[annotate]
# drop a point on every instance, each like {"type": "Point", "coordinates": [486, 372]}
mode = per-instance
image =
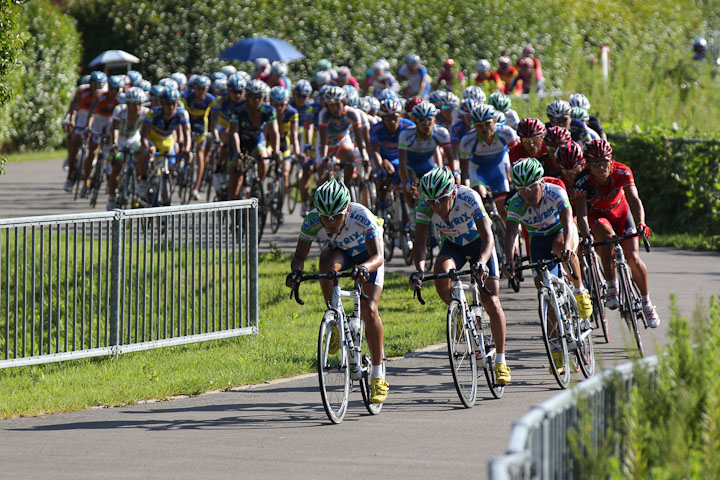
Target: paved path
{"type": "Point", "coordinates": [280, 430]}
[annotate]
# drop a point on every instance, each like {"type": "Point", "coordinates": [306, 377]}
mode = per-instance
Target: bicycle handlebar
{"type": "Point", "coordinates": [452, 274]}
{"type": "Point", "coordinates": [548, 262]}
{"type": "Point", "coordinates": [331, 275]}
{"type": "Point", "coordinates": [618, 239]}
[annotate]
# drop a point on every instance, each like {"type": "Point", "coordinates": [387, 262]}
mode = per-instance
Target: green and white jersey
{"type": "Point", "coordinates": [544, 219]}
{"type": "Point", "coordinates": [361, 225]}
{"type": "Point", "coordinates": [461, 230]}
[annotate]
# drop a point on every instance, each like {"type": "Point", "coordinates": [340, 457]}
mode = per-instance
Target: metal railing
{"type": "Point", "coordinates": [92, 284]}
{"type": "Point", "coordinates": [539, 446]}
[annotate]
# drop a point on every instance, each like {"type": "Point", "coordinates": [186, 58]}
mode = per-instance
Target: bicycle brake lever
{"type": "Point", "coordinates": [418, 295]}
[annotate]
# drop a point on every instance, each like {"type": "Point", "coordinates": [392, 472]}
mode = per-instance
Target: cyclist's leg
{"type": "Point", "coordinates": [331, 259]}
{"type": "Point", "coordinates": [202, 156]}
{"type": "Point", "coordinates": [73, 149]}
{"type": "Point", "coordinates": [92, 152]}
{"type": "Point", "coordinates": [602, 230]}
{"type": "Point", "coordinates": [113, 178]}
{"type": "Point", "coordinates": [375, 331]}
{"type": "Point", "coordinates": [235, 177]}
{"type": "Point", "coordinates": [541, 248]}
{"type": "Point", "coordinates": [447, 258]}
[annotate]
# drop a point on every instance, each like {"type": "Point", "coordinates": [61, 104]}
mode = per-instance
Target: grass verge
{"type": "Point", "coordinates": [35, 156]}
{"type": "Point", "coordinates": [285, 346]}
{"type": "Point", "coordinates": [687, 241]}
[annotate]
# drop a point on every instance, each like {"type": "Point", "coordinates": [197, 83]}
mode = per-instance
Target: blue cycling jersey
{"type": "Point", "coordinates": [387, 141]}
{"type": "Point", "coordinates": [458, 130]}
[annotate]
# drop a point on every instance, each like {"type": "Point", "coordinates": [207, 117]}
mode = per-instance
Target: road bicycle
{"type": "Point", "coordinates": [631, 305]}
{"type": "Point", "coordinates": [570, 333]}
{"type": "Point", "coordinates": [469, 337]}
{"type": "Point", "coordinates": [395, 233]}
{"type": "Point", "coordinates": [98, 173]}
{"type": "Point", "coordinates": [127, 190]}
{"type": "Point", "coordinates": [338, 370]}
{"type": "Point", "coordinates": [187, 173]}
{"type": "Point", "coordinates": [275, 193]}
{"type": "Point", "coordinates": [293, 192]}
{"type": "Point", "coordinates": [596, 286]}
{"type": "Point", "coordinates": [158, 189]}
{"type": "Point", "coordinates": [77, 176]}
{"type": "Point", "coordinates": [253, 187]}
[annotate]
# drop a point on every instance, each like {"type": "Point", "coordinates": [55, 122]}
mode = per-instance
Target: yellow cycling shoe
{"type": "Point", "coordinates": [559, 360]}
{"type": "Point", "coordinates": [502, 374]}
{"type": "Point", "coordinates": [379, 389]}
{"type": "Point", "coordinates": [334, 340]}
{"type": "Point", "coordinates": [584, 304]}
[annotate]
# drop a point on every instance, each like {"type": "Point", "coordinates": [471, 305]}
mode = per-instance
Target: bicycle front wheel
{"type": "Point", "coordinates": [489, 368]}
{"type": "Point", "coordinates": [555, 342]}
{"type": "Point", "coordinates": [372, 408]}
{"type": "Point", "coordinates": [293, 193]}
{"type": "Point", "coordinates": [256, 190]}
{"type": "Point", "coordinates": [333, 371]}
{"type": "Point", "coordinates": [461, 355]}
{"type": "Point", "coordinates": [632, 310]}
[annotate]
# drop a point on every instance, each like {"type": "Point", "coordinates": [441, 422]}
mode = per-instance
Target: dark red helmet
{"type": "Point", "coordinates": [530, 127]}
{"type": "Point", "coordinates": [598, 149]}
{"type": "Point", "coordinates": [411, 102]}
{"type": "Point", "coordinates": [569, 155]}
{"type": "Point", "coordinates": [556, 136]}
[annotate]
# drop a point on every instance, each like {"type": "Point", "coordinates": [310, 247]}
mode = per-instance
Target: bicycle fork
{"type": "Point", "coordinates": [348, 340]}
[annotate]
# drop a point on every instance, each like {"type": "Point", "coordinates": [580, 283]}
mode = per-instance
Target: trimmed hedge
{"type": "Point", "coordinates": [43, 81]}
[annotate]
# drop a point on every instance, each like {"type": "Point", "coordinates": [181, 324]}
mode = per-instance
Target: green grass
{"type": "Point", "coordinates": [687, 241]}
{"type": "Point", "coordinates": [285, 346]}
{"type": "Point", "coordinates": [35, 156]}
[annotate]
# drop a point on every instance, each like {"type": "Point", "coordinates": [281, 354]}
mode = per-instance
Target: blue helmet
{"type": "Point", "coordinates": [279, 95]}
{"type": "Point", "coordinates": [352, 95]}
{"type": "Point", "coordinates": [424, 110]}
{"type": "Point", "coordinates": [386, 93]}
{"type": "Point", "coordinates": [145, 85]}
{"type": "Point", "coordinates": [202, 81]}
{"type": "Point", "coordinates": [215, 75]}
{"type": "Point", "coordinates": [98, 77]}
{"type": "Point", "coordinates": [116, 82]}
{"type": "Point", "coordinates": [219, 86]}
{"type": "Point", "coordinates": [236, 83]}
{"type": "Point", "coordinates": [135, 77]}
{"type": "Point", "coordinates": [169, 94]}
{"type": "Point", "coordinates": [482, 113]}
{"type": "Point", "coordinates": [303, 88]}
{"type": "Point", "coordinates": [156, 91]}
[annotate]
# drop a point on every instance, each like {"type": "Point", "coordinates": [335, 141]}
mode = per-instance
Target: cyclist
{"type": "Point", "coordinates": [559, 112]}
{"type": "Point", "coordinates": [532, 141]}
{"type": "Point", "coordinates": [101, 112]}
{"type": "Point", "coordinates": [278, 76]}
{"type": "Point", "coordinates": [529, 68]}
{"type": "Point", "coordinates": [502, 103]}
{"type": "Point", "coordinates": [580, 100]}
{"type": "Point", "coordinates": [301, 102]}
{"type": "Point", "coordinates": [459, 216]}
{"type": "Point", "coordinates": [410, 104]}
{"type": "Point", "coordinates": [545, 211]}
{"type": "Point", "coordinates": [485, 75]}
{"type": "Point", "coordinates": [462, 125]}
{"type": "Point", "coordinates": [417, 147]}
{"type": "Point", "coordinates": [484, 154]}
{"type": "Point", "coordinates": [288, 130]}
{"type": "Point", "coordinates": [353, 238]}
{"type": "Point", "coordinates": [221, 110]}
{"type": "Point", "coordinates": [450, 76]}
{"type": "Point", "coordinates": [381, 78]}
{"type": "Point", "coordinates": [248, 123]}
{"type": "Point", "coordinates": [508, 74]}
{"type": "Point", "coordinates": [197, 101]}
{"type": "Point", "coordinates": [554, 138]}
{"type": "Point", "coordinates": [344, 77]}
{"type": "Point", "coordinates": [127, 120]}
{"type": "Point", "coordinates": [416, 75]}
{"type": "Point", "coordinates": [608, 204]}
{"type": "Point", "coordinates": [336, 122]}
{"type": "Point", "coordinates": [571, 161]}
{"type": "Point", "coordinates": [76, 119]}
{"type": "Point", "coordinates": [384, 137]}
{"type": "Point", "coordinates": [164, 126]}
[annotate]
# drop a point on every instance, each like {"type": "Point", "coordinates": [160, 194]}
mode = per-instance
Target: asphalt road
{"type": "Point", "coordinates": [279, 430]}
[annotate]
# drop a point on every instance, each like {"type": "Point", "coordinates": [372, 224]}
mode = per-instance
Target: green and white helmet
{"type": "Point", "coordinates": [332, 197]}
{"type": "Point", "coordinates": [526, 171]}
{"type": "Point", "coordinates": [436, 182]}
{"type": "Point", "coordinates": [500, 101]}
{"type": "Point", "coordinates": [580, 114]}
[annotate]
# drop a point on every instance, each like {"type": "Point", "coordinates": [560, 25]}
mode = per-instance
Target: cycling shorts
{"type": "Point", "coordinates": [541, 249]}
{"type": "Point", "coordinates": [395, 178]}
{"type": "Point", "coordinates": [251, 146]}
{"type": "Point", "coordinates": [81, 121]}
{"type": "Point", "coordinates": [337, 144]}
{"type": "Point", "coordinates": [473, 250]}
{"type": "Point", "coordinates": [495, 178]}
{"type": "Point", "coordinates": [619, 219]}
{"type": "Point", "coordinates": [163, 145]}
{"type": "Point", "coordinates": [101, 125]}
{"type": "Point", "coordinates": [421, 169]}
{"type": "Point", "coordinates": [376, 278]}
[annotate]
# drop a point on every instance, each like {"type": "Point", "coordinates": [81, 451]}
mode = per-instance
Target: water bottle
{"type": "Point", "coordinates": [477, 312]}
{"type": "Point", "coordinates": [355, 330]}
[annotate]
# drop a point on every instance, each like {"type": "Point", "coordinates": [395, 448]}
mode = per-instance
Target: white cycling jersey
{"type": "Point", "coordinates": [543, 219]}
{"type": "Point", "coordinates": [482, 154]}
{"type": "Point", "coordinates": [360, 226]}
{"type": "Point", "coordinates": [129, 134]}
{"type": "Point", "coordinates": [461, 230]}
{"type": "Point", "coordinates": [512, 119]}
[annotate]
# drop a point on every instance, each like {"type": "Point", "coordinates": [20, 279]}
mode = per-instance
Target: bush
{"type": "Point", "coordinates": [43, 83]}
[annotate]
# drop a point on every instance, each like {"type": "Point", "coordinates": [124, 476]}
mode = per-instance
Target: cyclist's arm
{"type": "Point", "coordinates": [484, 227]}
{"type": "Point", "coordinates": [360, 140]}
{"type": "Point", "coordinates": [144, 131]}
{"type": "Point", "coordinates": [234, 136]}
{"type": "Point", "coordinates": [452, 159]}
{"type": "Point", "coordinates": [566, 218]}
{"type": "Point", "coordinates": [376, 254]}
{"type": "Point", "coordinates": [421, 234]}
{"type": "Point", "coordinates": [274, 136]}
{"type": "Point", "coordinates": [582, 221]}
{"type": "Point", "coordinates": [214, 126]}
{"type": "Point", "coordinates": [636, 206]}
{"type": "Point", "coordinates": [465, 170]}
{"type": "Point", "coordinates": [512, 229]}
{"type": "Point", "coordinates": [301, 252]}
{"type": "Point", "coordinates": [437, 155]}
{"type": "Point", "coordinates": [402, 162]}
{"type": "Point", "coordinates": [115, 132]}
{"type": "Point", "coordinates": [295, 139]}
{"type": "Point", "coordinates": [374, 152]}
{"type": "Point", "coordinates": [323, 134]}
{"type": "Point", "coordinates": [366, 140]}
{"type": "Point", "coordinates": [72, 108]}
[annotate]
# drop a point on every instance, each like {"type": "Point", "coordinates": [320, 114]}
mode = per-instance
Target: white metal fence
{"type": "Point", "coordinates": [93, 284]}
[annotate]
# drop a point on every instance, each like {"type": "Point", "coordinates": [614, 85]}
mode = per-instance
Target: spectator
{"type": "Point", "coordinates": [262, 70]}
{"type": "Point", "coordinates": [529, 68]}
{"type": "Point", "coordinates": [278, 75]}
{"type": "Point", "coordinates": [700, 49]}
{"type": "Point", "coordinates": [449, 74]}
{"type": "Point", "coordinates": [417, 77]}
{"type": "Point", "coordinates": [344, 77]}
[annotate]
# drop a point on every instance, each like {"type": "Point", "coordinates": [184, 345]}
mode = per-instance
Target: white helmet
{"type": "Point", "coordinates": [483, 66]}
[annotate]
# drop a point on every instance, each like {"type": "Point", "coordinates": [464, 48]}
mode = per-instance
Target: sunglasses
{"type": "Point", "coordinates": [335, 217]}
{"type": "Point", "coordinates": [559, 119]}
{"type": "Point", "coordinates": [574, 170]}
{"type": "Point", "coordinates": [425, 120]}
{"type": "Point", "coordinates": [301, 96]}
{"type": "Point", "coordinates": [436, 201]}
{"type": "Point", "coordinates": [168, 103]}
{"type": "Point", "coordinates": [256, 97]}
{"type": "Point", "coordinates": [598, 163]}
{"type": "Point", "coordinates": [527, 188]}
{"type": "Point", "coordinates": [393, 116]}
{"type": "Point", "coordinates": [237, 92]}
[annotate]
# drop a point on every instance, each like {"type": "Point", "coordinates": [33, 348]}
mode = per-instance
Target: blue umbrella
{"type": "Point", "coordinates": [249, 49]}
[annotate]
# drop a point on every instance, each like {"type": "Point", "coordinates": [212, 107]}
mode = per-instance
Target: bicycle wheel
{"type": "Point", "coordinates": [636, 311]}
{"type": "Point", "coordinates": [584, 349]}
{"type": "Point", "coordinates": [293, 193]}
{"type": "Point", "coordinates": [554, 339]}
{"type": "Point", "coordinates": [96, 181]}
{"type": "Point", "coordinates": [498, 228]}
{"type": "Point", "coordinates": [489, 368]}
{"type": "Point", "coordinates": [256, 190]}
{"type": "Point", "coordinates": [462, 355]}
{"type": "Point", "coordinates": [516, 279]}
{"type": "Point", "coordinates": [372, 408]}
{"type": "Point", "coordinates": [275, 201]}
{"type": "Point", "coordinates": [597, 291]}
{"type": "Point", "coordinates": [333, 371]}
{"type": "Point", "coordinates": [388, 241]}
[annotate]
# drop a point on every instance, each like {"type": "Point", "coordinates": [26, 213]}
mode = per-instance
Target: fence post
{"type": "Point", "coordinates": [115, 259]}
{"type": "Point", "coordinates": [253, 260]}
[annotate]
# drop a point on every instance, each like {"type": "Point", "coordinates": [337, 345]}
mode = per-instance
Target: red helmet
{"type": "Point", "coordinates": [411, 102]}
{"type": "Point", "coordinates": [449, 63]}
{"type": "Point", "coordinates": [598, 149]}
{"type": "Point", "coordinates": [530, 127]}
{"type": "Point", "coordinates": [556, 136]}
{"type": "Point", "coordinates": [569, 155]}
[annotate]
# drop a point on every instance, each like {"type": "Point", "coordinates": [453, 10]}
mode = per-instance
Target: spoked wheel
{"type": "Point", "coordinates": [372, 408]}
{"type": "Point", "coordinates": [388, 242]}
{"type": "Point", "coordinates": [586, 351]}
{"type": "Point", "coordinates": [489, 368]}
{"type": "Point", "coordinates": [515, 280]}
{"type": "Point", "coordinates": [498, 228]}
{"type": "Point", "coordinates": [276, 192]}
{"type": "Point", "coordinates": [188, 182]}
{"type": "Point", "coordinates": [333, 371]}
{"type": "Point", "coordinates": [256, 191]}
{"type": "Point", "coordinates": [597, 294]}
{"type": "Point", "coordinates": [293, 193]}
{"type": "Point", "coordinates": [635, 315]}
{"type": "Point", "coordinates": [554, 341]}
{"type": "Point", "coordinates": [96, 181]}
{"type": "Point", "coordinates": [461, 355]}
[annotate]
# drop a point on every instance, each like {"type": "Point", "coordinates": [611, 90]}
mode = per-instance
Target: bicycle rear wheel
{"type": "Point", "coordinates": [333, 371]}
{"type": "Point", "coordinates": [276, 192]}
{"type": "Point", "coordinates": [489, 368]}
{"type": "Point", "coordinates": [461, 355]}
{"type": "Point", "coordinates": [96, 181]}
{"type": "Point", "coordinates": [632, 310]}
{"type": "Point", "coordinates": [293, 193]}
{"type": "Point", "coordinates": [596, 289]}
{"type": "Point", "coordinates": [372, 408]}
{"type": "Point", "coordinates": [256, 190]}
{"type": "Point", "coordinates": [554, 341]}
{"type": "Point", "coordinates": [388, 242]}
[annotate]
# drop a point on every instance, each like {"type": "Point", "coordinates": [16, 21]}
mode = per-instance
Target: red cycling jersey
{"type": "Point", "coordinates": [518, 151]}
{"type": "Point", "coordinates": [105, 106]}
{"type": "Point", "coordinates": [85, 97]}
{"type": "Point", "coordinates": [507, 75]}
{"type": "Point", "coordinates": [607, 203]}
{"type": "Point", "coordinates": [492, 78]}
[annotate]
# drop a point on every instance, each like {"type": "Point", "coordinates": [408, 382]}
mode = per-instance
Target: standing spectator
{"type": "Point", "coordinates": [416, 75]}
{"type": "Point", "coordinates": [528, 67]}
{"type": "Point", "coordinates": [449, 74]}
{"type": "Point", "coordinates": [485, 75]}
{"type": "Point", "coordinates": [700, 49]}
{"type": "Point", "coordinates": [278, 75]}
{"type": "Point", "coordinates": [508, 74]}
{"type": "Point", "coordinates": [344, 77]}
{"type": "Point", "coordinates": [262, 69]}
